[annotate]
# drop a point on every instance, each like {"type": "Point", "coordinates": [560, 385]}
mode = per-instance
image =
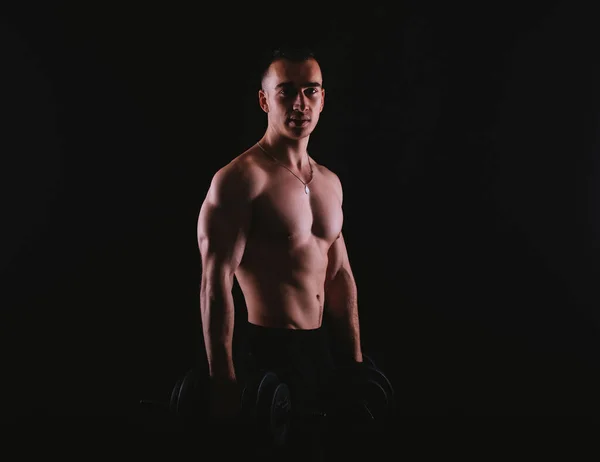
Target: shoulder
{"type": "Point", "coordinates": [330, 177]}
{"type": "Point", "coordinates": [239, 180]}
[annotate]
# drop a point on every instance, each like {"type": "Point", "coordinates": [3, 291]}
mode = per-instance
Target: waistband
{"type": "Point", "coordinates": [283, 333]}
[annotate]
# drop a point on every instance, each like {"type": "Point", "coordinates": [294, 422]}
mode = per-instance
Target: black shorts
{"type": "Point", "coordinates": [301, 358]}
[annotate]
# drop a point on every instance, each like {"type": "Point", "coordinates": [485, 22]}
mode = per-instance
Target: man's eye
{"type": "Point", "coordinates": [311, 91]}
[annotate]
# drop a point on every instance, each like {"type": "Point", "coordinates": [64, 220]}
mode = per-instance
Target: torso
{"type": "Point", "coordinates": [282, 272]}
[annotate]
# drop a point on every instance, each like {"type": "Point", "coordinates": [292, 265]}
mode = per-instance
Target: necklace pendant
{"type": "Point", "coordinates": [306, 190]}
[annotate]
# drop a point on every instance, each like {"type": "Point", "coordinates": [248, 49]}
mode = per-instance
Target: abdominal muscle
{"type": "Point", "coordinates": [283, 286]}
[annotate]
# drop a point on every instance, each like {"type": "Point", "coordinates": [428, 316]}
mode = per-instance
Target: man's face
{"type": "Point", "coordinates": [293, 97]}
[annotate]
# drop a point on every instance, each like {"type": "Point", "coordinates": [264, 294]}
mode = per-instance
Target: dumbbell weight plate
{"type": "Point", "coordinates": [384, 392]}
{"type": "Point", "coordinates": [186, 396]}
{"type": "Point", "coordinates": [381, 379]}
{"type": "Point", "coordinates": [363, 387]}
{"type": "Point", "coordinates": [266, 407]}
{"type": "Point", "coordinates": [173, 403]}
{"type": "Point", "coordinates": [375, 399]}
{"type": "Point", "coordinates": [273, 409]}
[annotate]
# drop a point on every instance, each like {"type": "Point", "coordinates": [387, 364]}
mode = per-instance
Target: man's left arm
{"type": "Point", "coordinates": [341, 302]}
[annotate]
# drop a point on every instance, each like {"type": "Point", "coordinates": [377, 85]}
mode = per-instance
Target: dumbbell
{"type": "Point", "coordinates": [362, 397]}
{"type": "Point", "coordinates": [183, 406]}
{"type": "Point", "coordinates": [187, 401]}
{"type": "Point", "coordinates": [266, 408]}
{"type": "Point", "coordinates": [265, 405]}
{"type": "Point", "coordinates": [387, 394]}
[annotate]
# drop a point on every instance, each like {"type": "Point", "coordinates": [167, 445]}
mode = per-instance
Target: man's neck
{"type": "Point", "coordinates": [292, 153]}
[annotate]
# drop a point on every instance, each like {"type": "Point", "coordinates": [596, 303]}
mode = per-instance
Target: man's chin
{"type": "Point", "coordinates": [299, 132]}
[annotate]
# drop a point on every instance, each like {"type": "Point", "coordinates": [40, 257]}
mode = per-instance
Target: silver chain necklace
{"type": "Point", "coordinates": [306, 190]}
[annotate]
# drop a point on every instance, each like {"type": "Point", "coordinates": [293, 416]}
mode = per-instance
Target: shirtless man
{"type": "Point", "coordinates": [273, 218]}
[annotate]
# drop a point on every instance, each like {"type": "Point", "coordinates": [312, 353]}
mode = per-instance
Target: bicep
{"type": "Point", "coordinates": [222, 232]}
{"type": "Point", "coordinates": [221, 238]}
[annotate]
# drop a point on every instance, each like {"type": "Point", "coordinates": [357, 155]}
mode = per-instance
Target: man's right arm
{"type": "Point", "coordinates": [223, 225]}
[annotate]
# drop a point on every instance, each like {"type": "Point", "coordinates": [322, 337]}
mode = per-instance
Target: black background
{"type": "Point", "coordinates": [466, 137]}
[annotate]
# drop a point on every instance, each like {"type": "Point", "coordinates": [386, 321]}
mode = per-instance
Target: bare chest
{"type": "Point", "coordinates": [286, 212]}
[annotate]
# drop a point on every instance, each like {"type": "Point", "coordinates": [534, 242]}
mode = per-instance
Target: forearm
{"type": "Point", "coordinates": [217, 314]}
{"type": "Point", "coordinates": [341, 303]}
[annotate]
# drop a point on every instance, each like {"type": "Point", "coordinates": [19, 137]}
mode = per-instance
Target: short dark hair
{"type": "Point", "coordinates": [291, 52]}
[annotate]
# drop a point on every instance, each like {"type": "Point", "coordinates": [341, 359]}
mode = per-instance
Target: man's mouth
{"type": "Point", "coordinates": [299, 122]}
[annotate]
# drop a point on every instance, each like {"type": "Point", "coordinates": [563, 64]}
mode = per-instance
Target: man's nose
{"type": "Point", "coordinates": [300, 102]}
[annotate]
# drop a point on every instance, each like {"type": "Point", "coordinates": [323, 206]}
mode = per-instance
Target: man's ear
{"type": "Point", "coordinates": [262, 100]}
